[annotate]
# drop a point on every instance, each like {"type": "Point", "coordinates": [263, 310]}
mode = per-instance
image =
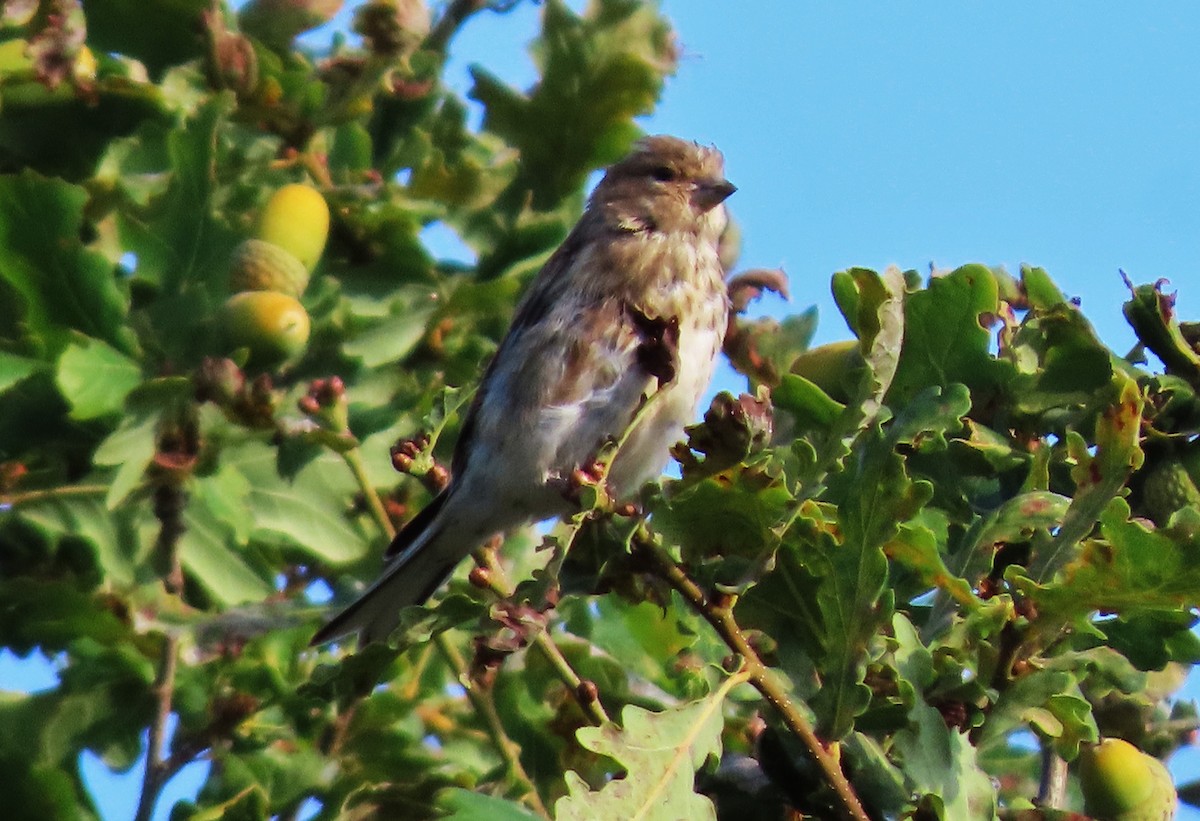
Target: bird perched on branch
{"type": "Point", "coordinates": [633, 300]}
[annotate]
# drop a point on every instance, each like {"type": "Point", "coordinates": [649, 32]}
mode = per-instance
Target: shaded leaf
{"type": "Point", "coordinates": [15, 368]}
{"type": "Point", "coordinates": [937, 759]}
{"type": "Point", "coordinates": [460, 805]}
{"type": "Point", "coordinates": [61, 284]}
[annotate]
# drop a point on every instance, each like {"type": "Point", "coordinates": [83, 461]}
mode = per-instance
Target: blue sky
{"type": "Point", "coordinates": [1063, 135]}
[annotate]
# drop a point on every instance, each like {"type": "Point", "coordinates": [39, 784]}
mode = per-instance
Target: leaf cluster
{"type": "Point", "coordinates": [885, 586]}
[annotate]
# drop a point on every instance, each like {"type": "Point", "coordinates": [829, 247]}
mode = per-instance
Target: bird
{"type": "Point", "coordinates": [633, 302]}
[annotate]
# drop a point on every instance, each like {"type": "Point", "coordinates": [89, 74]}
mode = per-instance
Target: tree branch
{"type": "Point", "coordinates": [763, 679]}
{"type": "Point", "coordinates": [66, 491]}
{"type": "Point", "coordinates": [1052, 786]}
{"type": "Point", "coordinates": [353, 459]}
{"type": "Point", "coordinates": [451, 21]}
{"type": "Point", "coordinates": [158, 769]}
{"type": "Point", "coordinates": [480, 700]}
{"type": "Point", "coordinates": [169, 501]}
{"type": "Point", "coordinates": [499, 584]}
{"type": "Point", "coordinates": [509, 750]}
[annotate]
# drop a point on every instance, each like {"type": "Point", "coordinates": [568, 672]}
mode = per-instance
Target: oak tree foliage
{"type": "Point", "coordinates": [893, 579]}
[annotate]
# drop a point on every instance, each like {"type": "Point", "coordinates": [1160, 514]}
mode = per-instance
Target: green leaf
{"type": "Point", "coordinates": [14, 368]}
{"type": "Point", "coordinates": [460, 805]}
{"type": "Point", "coordinates": [1098, 478]}
{"type": "Point", "coordinates": [877, 302]}
{"type": "Point", "coordinates": [728, 520]}
{"type": "Point", "coordinates": [937, 760]}
{"type": "Point", "coordinates": [944, 340]}
{"type": "Point", "coordinates": [1048, 701]}
{"type": "Point", "coordinates": [811, 406]}
{"type": "Point", "coordinates": [118, 538]}
{"type": "Point", "coordinates": [309, 512]}
{"type": "Point", "coordinates": [917, 548]}
{"type": "Point", "coordinates": [129, 448]}
{"type": "Point", "coordinates": [181, 245]}
{"type": "Point", "coordinates": [164, 34]}
{"type": "Point", "coordinates": [224, 493]}
{"type": "Point", "coordinates": [874, 497]}
{"type": "Point", "coordinates": [660, 753]}
{"type": "Point", "coordinates": [645, 638]}
{"type": "Point", "coordinates": [1151, 640]}
{"type": "Point", "coordinates": [783, 604]}
{"type": "Point", "coordinates": [1067, 364]}
{"type": "Point", "coordinates": [1040, 289]}
{"type": "Point", "coordinates": [1016, 519]}
{"type": "Point", "coordinates": [396, 336]}
{"type": "Point", "coordinates": [1129, 569]}
{"type": "Point", "coordinates": [62, 286]}
{"type": "Point", "coordinates": [50, 615]}
{"type": "Point", "coordinates": [1151, 313]}
{"type": "Point", "coordinates": [206, 550]}
{"type": "Point", "coordinates": [95, 378]}
{"type": "Point", "coordinates": [598, 72]}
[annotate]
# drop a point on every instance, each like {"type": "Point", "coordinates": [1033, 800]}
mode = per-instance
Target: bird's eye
{"type": "Point", "coordinates": [663, 173]}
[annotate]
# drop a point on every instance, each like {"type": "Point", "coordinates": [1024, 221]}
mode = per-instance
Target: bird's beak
{"type": "Point", "coordinates": [710, 194]}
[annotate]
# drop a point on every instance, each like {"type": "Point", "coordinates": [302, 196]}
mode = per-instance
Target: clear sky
{"type": "Point", "coordinates": [1061, 134]}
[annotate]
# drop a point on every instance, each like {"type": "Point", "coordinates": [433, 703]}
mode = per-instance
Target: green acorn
{"type": "Point", "coordinates": [296, 218]}
{"type": "Point", "coordinates": [828, 367]}
{"type": "Point", "coordinates": [258, 265]}
{"type": "Point", "coordinates": [1171, 485]}
{"type": "Point", "coordinates": [1121, 783]}
{"type": "Point", "coordinates": [273, 326]}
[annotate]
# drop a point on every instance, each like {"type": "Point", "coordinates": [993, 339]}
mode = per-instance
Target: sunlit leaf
{"type": "Point", "coordinates": [95, 378]}
{"type": "Point", "coordinates": [659, 753]}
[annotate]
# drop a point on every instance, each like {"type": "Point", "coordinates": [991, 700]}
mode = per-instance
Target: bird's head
{"type": "Point", "coordinates": [666, 184]}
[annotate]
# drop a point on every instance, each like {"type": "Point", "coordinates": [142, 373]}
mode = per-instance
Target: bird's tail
{"type": "Point", "coordinates": [418, 569]}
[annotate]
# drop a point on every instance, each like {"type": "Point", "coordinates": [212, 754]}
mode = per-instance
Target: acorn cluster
{"type": "Point", "coordinates": [269, 272]}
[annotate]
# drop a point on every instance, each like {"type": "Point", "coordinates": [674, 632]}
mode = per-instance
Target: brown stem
{"type": "Point", "coordinates": [499, 584]}
{"type": "Point", "coordinates": [481, 701]}
{"type": "Point", "coordinates": [16, 499]}
{"type": "Point", "coordinates": [761, 677]}
{"type": "Point", "coordinates": [341, 725]}
{"type": "Point", "coordinates": [451, 21]}
{"type": "Point", "coordinates": [157, 767]}
{"type": "Point", "coordinates": [169, 502]}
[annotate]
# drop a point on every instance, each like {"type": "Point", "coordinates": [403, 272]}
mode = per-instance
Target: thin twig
{"type": "Point", "coordinates": [509, 751]}
{"type": "Point", "coordinates": [451, 21]}
{"type": "Point", "coordinates": [480, 700]}
{"type": "Point", "coordinates": [169, 502]}
{"type": "Point", "coordinates": [156, 774]}
{"type": "Point", "coordinates": [1174, 726]}
{"type": "Point", "coordinates": [761, 677]}
{"type": "Point", "coordinates": [66, 491]}
{"type": "Point", "coordinates": [353, 459]}
{"type": "Point", "coordinates": [499, 583]}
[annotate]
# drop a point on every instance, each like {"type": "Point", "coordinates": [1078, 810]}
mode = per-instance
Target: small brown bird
{"type": "Point", "coordinates": [634, 297]}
